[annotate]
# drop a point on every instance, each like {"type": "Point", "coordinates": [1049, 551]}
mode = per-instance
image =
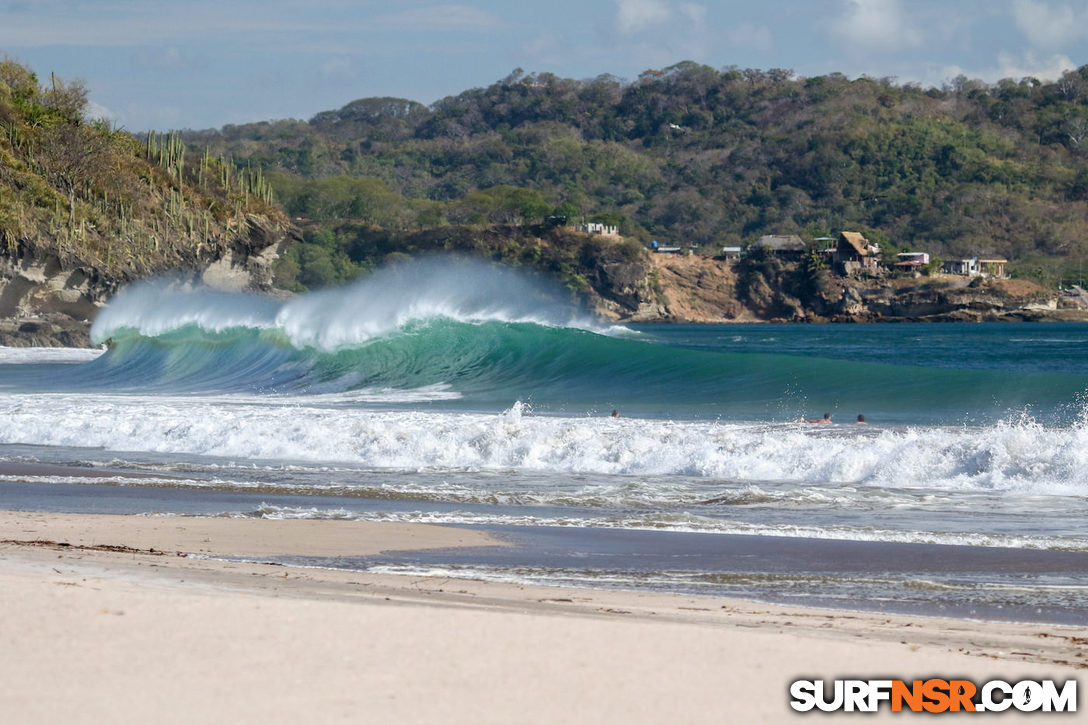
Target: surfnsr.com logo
{"type": "Point", "coordinates": [933, 695]}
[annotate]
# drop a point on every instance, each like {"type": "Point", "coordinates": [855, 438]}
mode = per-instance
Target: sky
{"type": "Point", "coordinates": [151, 64]}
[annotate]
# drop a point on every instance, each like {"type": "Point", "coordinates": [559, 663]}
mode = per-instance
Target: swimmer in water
{"type": "Point", "coordinates": [825, 419]}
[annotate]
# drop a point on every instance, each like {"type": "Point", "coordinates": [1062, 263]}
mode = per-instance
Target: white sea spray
{"type": "Point", "coordinates": [40, 355]}
{"type": "Point", "coordinates": [1019, 456]}
{"type": "Point", "coordinates": [377, 305]}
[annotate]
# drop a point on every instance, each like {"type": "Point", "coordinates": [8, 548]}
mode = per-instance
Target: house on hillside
{"type": "Point", "coordinates": [975, 267]}
{"type": "Point", "coordinates": [913, 258]}
{"type": "Point", "coordinates": [855, 254]}
{"type": "Point", "coordinates": [911, 261]}
{"type": "Point", "coordinates": [994, 268]}
{"type": "Point", "coordinates": [786, 246]}
{"type": "Point", "coordinates": [605, 230]}
{"type": "Point", "coordinates": [961, 267]}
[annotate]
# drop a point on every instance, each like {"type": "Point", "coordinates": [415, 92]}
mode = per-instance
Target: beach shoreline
{"type": "Point", "coordinates": [134, 612]}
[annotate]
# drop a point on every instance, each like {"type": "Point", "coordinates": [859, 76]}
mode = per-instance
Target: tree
{"type": "Point", "coordinates": [67, 99]}
{"type": "Point", "coordinates": [505, 205]}
{"type": "Point", "coordinates": [72, 156]}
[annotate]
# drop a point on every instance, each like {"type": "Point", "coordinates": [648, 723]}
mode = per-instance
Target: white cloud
{"type": "Point", "coordinates": [747, 35]}
{"type": "Point", "coordinates": [635, 15]}
{"type": "Point", "coordinates": [1029, 65]}
{"type": "Point", "coordinates": [875, 25]}
{"type": "Point", "coordinates": [339, 69]}
{"type": "Point", "coordinates": [97, 112]}
{"type": "Point", "coordinates": [550, 48]}
{"type": "Point", "coordinates": [659, 32]}
{"type": "Point", "coordinates": [694, 13]}
{"type": "Point", "coordinates": [178, 24]}
{"type": "Point", "coordinates": [1046, 69]}
{"type": "Point", "coordinates": [1050, 26]}
{"type": "Point", "coordinates": [440, 17]}
{"type": "Point", "coordinates": [194, 22]}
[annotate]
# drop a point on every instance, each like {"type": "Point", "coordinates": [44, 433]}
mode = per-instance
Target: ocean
{"type": "Point", "coordinates": [456, 392]}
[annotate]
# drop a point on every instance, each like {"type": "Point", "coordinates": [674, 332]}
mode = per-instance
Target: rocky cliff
{"type": "Point", "coordinates": [50, 299]}
{"type": "Point", "coordinates": [700, 289]}
{"type": "Point", "coordinates": [86, 207]}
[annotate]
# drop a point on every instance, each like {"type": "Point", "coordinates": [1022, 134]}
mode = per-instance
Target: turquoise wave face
{"type": "Point", "coordinates": [483, 338]}
{"type": "Point", "coordinates": [489, 365]}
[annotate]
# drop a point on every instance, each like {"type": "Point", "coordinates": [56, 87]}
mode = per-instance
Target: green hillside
{"type": "Point", "coordinates": [688, 155]}
{"type": "Point", "coordinates": [694, 155]}
{"type": "Point", "coordinates": [94, 197]}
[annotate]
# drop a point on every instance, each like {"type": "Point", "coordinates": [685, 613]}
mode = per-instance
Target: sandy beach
{"type": "Point", "coordinates": [127, 619]}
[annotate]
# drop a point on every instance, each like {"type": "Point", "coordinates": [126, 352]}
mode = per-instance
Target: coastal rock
{"type": "Point", "coordinates": [48, 301]}
{"type": "Point", "coordinates": [623, 284]}
{"type": "Point", "coordinates": [850, 303]}
{"type": "Point", "coordinates": [695, 289]}
{"type": "Point", "coordinates": [701, 289]}
{"type": "Point", "coordinates": [44, 331]}
{"type": "Point", "coordinates": [249, 263]}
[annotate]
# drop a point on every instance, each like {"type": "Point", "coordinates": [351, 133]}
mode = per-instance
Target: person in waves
{"type": "Point", "coordinates": [615, 414]}
{"type": "Point", "coordinates": [825, 419]}
{"type": "Point", "coordinates": [861, 420]}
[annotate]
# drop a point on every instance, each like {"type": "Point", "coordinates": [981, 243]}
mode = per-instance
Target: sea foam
{"type": "Point", "coordinates": [448, 287]}
{"type": "Point", "coordinates": [1019, 456]}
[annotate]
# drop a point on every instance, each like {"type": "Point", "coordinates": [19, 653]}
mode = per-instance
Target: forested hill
{"type": "Point", "coordinates": [85, 207]}
{"type": "Point", "coordinates": [696, 155]}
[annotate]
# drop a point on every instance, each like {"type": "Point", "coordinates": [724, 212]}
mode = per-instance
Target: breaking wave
{"type": "Point", "coordinates": [468, 335]}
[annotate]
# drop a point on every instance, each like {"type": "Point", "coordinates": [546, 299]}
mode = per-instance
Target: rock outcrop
{"type": "Point", "coordinates": [700, 289]}
{"type": "Point", "coordinates": [691, 289]}
{"type": "Point", "coordinates": [49, 301]}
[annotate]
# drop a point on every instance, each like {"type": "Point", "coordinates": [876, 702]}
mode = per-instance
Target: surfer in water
{"type": "Point", "coordinates": [861, 420]}
{"type": "Point", "coordinates": [825, 419]}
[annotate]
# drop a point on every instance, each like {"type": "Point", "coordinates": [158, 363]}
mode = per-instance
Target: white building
{"type": "Point", "coordinates": [962, 267]}
{"type": "Point", "coordinates": [607, 230]}
{"type": "Point", "coordinates": [914, 257]}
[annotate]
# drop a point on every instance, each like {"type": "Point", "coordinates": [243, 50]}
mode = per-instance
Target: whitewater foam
{"type": "Point", "coordinates": [685, 523]}
{"type": "Point", "coordinates": [387, 301]}
{"type": "Point", "coordinates": [37, 355]}
{"type": "Point", "coordinates": [1020, 457]}
{"type": "Point", "coordinates": [155, 307]}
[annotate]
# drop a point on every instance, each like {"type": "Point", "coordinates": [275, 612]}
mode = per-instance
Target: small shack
{"type": "Point", "coordinates": [606, 230]}
{"type": "Point", "coordinates": [854, 253]}
{"type": "Point", "coordinates": [911, 261]}
{"type": "Point", "coordinates": [786, 246]}
{"type": "Point", "coordinates": [993, 267]}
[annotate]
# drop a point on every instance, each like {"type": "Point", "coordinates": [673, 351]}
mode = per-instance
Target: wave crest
{"type": "Point", "coordinates": [389, 300]}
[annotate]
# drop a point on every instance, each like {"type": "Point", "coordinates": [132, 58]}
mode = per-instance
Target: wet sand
{"type": "Point", "coordinates": [37, 470]}
{"type": "Point", "coordinates": [913, 579]}
{"type": "Point", "coordinates": [117, 632]}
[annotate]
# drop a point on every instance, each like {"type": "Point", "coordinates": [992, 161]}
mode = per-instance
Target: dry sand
{"type": "Point", "coordinates": [130, 635]}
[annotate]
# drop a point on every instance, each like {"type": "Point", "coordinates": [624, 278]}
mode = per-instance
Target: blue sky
{"type": "Point", "coordinates": [203, 64]}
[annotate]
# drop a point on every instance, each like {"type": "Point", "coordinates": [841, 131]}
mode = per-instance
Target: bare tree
{"type": "Point", "coordinates": [68, 99]}
{"type": "Point", "coordinates": [72, 156]}
{"type": "Point", "coordinates": [1076, 128]}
